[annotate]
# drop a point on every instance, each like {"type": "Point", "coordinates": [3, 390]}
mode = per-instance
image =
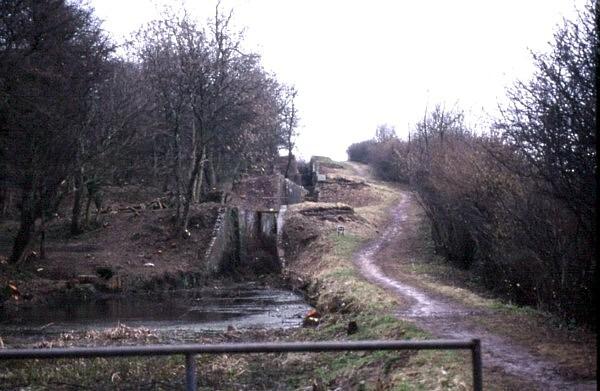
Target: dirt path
{"type": "Point", "coordinates": [508, 363]}
{"type": "Point", "coordinates": [359, 169]}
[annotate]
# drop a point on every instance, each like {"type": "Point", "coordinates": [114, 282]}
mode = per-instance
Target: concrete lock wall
{"type": "Point", "coordinates": [268, 232]}
{"type": "Point", "coordinates": [292, 193]}
{"type": "Point", "coordinates": [239, 235]}
{"type": "Point", "coordinates": [223, 252]}
{"type": "Point", "coordinates": [245, 237]}
{"type": "Point", "coordinates": [249, 228]}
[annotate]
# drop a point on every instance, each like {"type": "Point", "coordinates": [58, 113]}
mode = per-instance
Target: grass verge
{"type": "Point", "coordinates": [341, 296]}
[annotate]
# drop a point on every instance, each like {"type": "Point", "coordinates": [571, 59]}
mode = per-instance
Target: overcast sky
{"type": "Point", "coordinates": [357, 64]}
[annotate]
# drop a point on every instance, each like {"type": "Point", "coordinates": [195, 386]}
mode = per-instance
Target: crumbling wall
{"type": "Point", "coordinates": [293, 172]}
{"type": "Point", "coordinates": [246, 235]}
{"type": "Point", "coordinates": [242, 239]}
{"type": "Point", "coordinates": [257, 192]}
{"type": "Point", "coordinates": [315, 169]}
{"type": "Point", "coordinates": [349, 191]}
{"type": "Point", "coordinates": [267, 233]}
{"type": "Point", "coordinates": [291, 193]}
{"type": "Point", "coordinates": [267, 192]}
{"type": "Point", "coordinates": [223, 252]}
{"type": "Point", "coordinates": [249, 228]}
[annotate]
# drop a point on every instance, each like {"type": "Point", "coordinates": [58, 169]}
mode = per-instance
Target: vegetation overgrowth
{"type": "Point", "coordinates": [515, 204]}
{"type": "Point", "coordinates": [183, 107]}
{"type": "Point", "coordinates": [323, 267]}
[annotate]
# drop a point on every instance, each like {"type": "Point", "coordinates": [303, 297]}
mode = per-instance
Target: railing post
{"type": "Point", "coordinates": [190, 372]}
{"type": "Point", "coordinates": [477, 366]}
{"type": "Point", "coordinates": [191, 350]}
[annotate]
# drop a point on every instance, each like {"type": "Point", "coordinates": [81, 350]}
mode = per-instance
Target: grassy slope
{"type": "Point", "coordinates": [323, 265]}
{"type": "Point", "coordinates": [339, 293]}
{"type": "Point", "coordinates": [343, 295]}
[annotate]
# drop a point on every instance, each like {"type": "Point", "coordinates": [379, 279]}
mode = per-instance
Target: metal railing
{"type": "Point", "coordinates": [189, 351]}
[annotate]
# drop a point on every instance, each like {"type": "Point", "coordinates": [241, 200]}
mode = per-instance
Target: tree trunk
{"type": "Point", "coordinates": [289, 162]}
{"type": "Point", "coordinates": [200, 178]}
{"type": "Point", "coordinates": [42, 237]}
{"type": "Point", "coordinates": [154, 163]}
{"type": "Point", "coordinates": [87, 209]}
{"type": "Point", "coordinates": [212, 175]}
{"type": "Point", "coordinates": [198, 166]}
{"type": "Point", "coordinates": [177, 176]}
{"type": "Point", "coordinates": [76, 212]}
{"type": "Point", "coordinates": [5, 201]}
{"type": "Point", "coordinates": [27, 226]}
{"type": "Point", "coordinates": [198, 184]}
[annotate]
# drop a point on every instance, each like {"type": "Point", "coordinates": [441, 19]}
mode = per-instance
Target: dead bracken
{"type": "Point", "coordinates": [327, 210]}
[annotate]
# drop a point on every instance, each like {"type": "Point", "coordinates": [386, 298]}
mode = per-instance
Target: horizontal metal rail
{"type": "Point", "coordinates": [190, 350]}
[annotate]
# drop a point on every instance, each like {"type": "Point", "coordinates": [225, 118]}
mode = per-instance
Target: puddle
{"type": "Point", "coordinates": [242, 306]}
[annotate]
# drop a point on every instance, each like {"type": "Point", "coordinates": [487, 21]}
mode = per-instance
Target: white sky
{"type": "Point", "coordinates": [358, 64]}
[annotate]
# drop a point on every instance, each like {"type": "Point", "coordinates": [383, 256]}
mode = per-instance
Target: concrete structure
{"type": "Point", "coordinates": [248, 235]}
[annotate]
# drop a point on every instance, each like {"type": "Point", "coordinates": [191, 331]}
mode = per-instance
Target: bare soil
{"type": "Point", "coordinates": [349, 187]}
{"type": "Point", "coordinates": [129, 247]}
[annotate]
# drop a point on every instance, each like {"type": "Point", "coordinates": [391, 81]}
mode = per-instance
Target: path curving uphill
{"type": "Point", "coordinates": [445, 317]}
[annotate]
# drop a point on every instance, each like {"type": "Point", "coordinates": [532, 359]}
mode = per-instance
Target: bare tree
{"type": "Point", "coordinates": [221, 105]}
{"type": "Point", "coordinates": [291, 122]}
{"type": "Point", "coordinates": [52, 56]}
{"type": "Point", "coordinates": [118, 112]}
{"type": "Point", "coordinates": [551, 119]}
{"type": "Point", "coordinates": [384, 133]}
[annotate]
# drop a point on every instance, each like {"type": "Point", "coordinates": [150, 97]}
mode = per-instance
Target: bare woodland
{"type": "Point", "coordinates": [516, 204]}
{"type": "Point", "coordinates": [183, 107]}
{"type": "Point", "coordinates": [186, 108]}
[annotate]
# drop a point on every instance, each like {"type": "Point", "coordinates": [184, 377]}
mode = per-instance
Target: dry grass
{"type": "Point", "coordinates": [121, 333]}
{"type": "Point", "coordinates": [323, 263]}
{"type": "Point", "coordinates": [413, 259]}
{"type": "Point", "coordinates": [342, 294]}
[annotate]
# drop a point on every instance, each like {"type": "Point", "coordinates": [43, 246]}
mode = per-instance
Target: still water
{"type": "Point", "coordinates": [242, 306]}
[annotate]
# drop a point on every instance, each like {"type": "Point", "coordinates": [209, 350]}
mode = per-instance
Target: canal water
{"type": "Point", "coordinates": [244, 307]}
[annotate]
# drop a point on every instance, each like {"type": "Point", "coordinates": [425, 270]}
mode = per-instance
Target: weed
{"type": "Point", "coordinates": [345, 245]}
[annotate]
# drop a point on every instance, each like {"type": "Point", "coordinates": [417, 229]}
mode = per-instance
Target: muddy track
{"type": "Point", "coordinates": [446, 318]}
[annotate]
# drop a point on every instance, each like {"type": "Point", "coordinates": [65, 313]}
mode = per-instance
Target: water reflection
{"type": "Point", "coordinates": [242, 306]}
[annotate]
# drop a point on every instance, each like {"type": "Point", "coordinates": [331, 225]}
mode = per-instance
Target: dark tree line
{"type": "Point", "coordinates": [53, 57]}
{"type": "Point", "coordinates": [517, 205]}
{"type": "Point", "coordinates": [186, 109]}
